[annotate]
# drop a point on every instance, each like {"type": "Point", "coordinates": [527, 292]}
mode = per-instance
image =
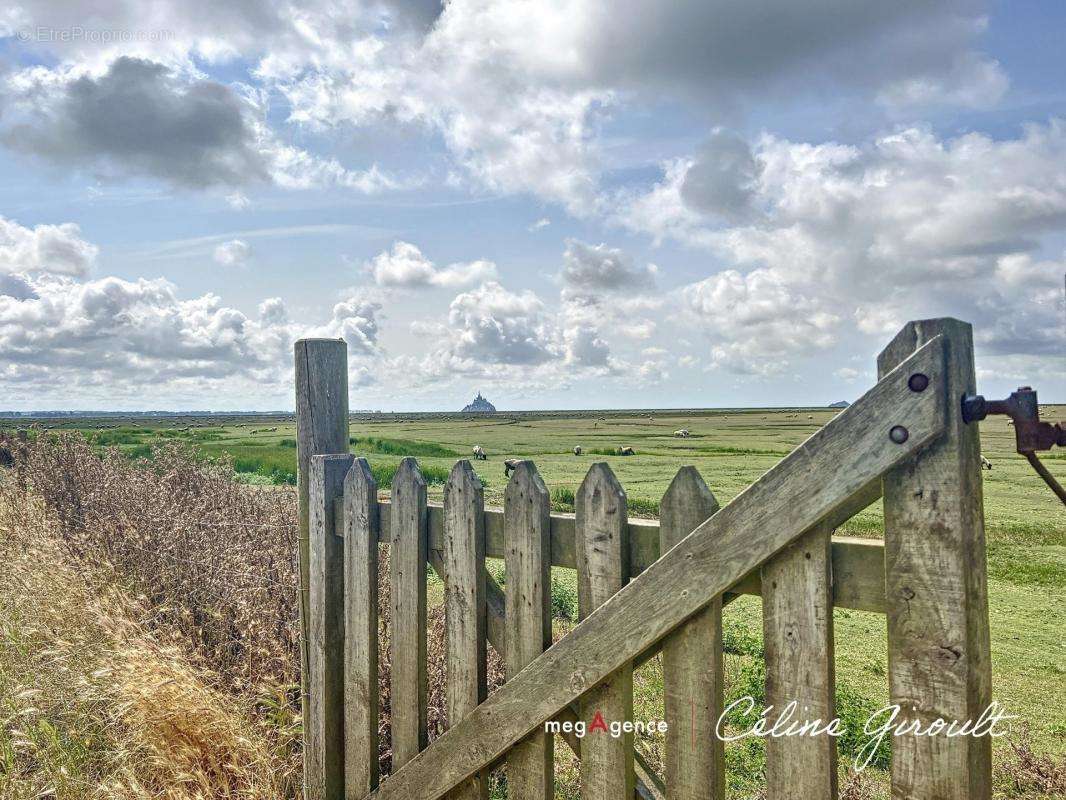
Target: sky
{"type": "Point", "coordinates": [558, 203]}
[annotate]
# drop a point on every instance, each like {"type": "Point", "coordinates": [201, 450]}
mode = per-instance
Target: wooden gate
{"type": "Point", "coordinates": [646, 588]}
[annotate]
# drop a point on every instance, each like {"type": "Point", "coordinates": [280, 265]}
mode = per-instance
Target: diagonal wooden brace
{"type": "Point", "coordinates": [807, 487]}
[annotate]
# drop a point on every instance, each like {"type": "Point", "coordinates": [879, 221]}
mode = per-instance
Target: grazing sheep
{"type": "Point", "coordinates": [681, 434]}
{"type": "Point", "coordinates": [810, 416]}
{"type": "Point", "coordinates": [985, 463]}
{"type": "Point", "coordinates": [510, 465]}
{"type": "Point", "coordinates": [479, 453]}
{"type": "Point", "coordinates": [577, 450]}
{"type": "Point", "coordinates": [626, 451]}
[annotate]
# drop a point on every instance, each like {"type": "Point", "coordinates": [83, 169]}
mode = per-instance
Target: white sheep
{"type": "Point", "coordinates": [577, 450]}
{"type": "Point", "coordinates": [479, 453]}
{"type": "Point", "coordinates": [681, 434]}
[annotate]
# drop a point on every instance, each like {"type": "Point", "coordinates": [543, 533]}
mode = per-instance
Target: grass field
{"type": "Point", "coordinates": [1026, 525]}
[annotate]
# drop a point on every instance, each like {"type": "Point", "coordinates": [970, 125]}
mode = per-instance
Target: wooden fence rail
{"type": "Point", "coordinates": [646, 587]}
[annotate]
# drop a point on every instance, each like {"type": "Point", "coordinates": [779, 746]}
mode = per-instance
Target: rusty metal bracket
{"type": "Point", "coordinates": [1031, 435]}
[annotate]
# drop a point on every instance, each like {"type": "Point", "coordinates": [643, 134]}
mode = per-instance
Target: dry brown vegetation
{"type": "Point", "coordinates": [209, 568]}
{"type": "Point", "coordinates": [94, 704]}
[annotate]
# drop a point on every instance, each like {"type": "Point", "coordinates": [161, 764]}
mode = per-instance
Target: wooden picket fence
{"type": "Point", "coordinates": [647, 588]}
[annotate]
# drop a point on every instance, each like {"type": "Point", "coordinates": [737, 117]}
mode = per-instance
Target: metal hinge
{"type": "Point", "coordinates": [1031, 435]}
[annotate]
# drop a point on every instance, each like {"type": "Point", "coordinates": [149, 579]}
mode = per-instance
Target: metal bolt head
{"type": "Point", "coordinates": [899, 434]}
{"type": "Point", "coordinates": [918, 382]}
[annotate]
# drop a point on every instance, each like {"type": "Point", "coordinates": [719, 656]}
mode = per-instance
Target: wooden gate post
{"type": "Point", "coordinates": [936, 590]}
{"type": "Point", "coordinates": [321, 429]}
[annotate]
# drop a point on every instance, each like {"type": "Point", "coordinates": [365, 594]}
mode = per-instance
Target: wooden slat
{"type": "Point", "coordinates": [464, 605]}
{"type": "Point", "coordinates": [528, 631]}
{"type": "Point", "coordinates": [843, 457]}
{"type": "Point", "coordinates": [407, 653]}
{"type": "Point", "coordinates": [692, 662]}
{"type": "Point", "coordinates": [325, 712]}
{"type": "Point", "coordinates": [321, 370]}
{"type": "Point", "coordinates": [602, 571]}
{"type": "Point", "coordinates": [649, 785]}
{"type": "Point", "coordinates": [858, 564]}
{"type": "Point", "coordinates": [938, 639]}
{"type": "Point", "coordinates": [361, 692]}
{"type": "Point", "coordinates": [798, 637]}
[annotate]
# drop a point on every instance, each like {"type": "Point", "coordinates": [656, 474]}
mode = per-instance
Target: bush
{"type": "Point", "coordinates": [213, 560]}
{"type": "Point", "coordinates": [562, 499]}
{"type": "Point", "coordinates": [399, 447]}
{"type": "Point", "coordinates": [642, 508]}
{"type": "Point", "coordinates": [434, 476]}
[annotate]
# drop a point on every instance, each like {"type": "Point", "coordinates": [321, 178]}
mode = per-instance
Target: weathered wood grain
{"type": "Point", "coordinates": [321, 370]}
{"type": "Point", "coordinates": [939, 665]}
{"type": "Point", "coordinates": [325, 713]}
{"type": "Point", "coordinates": [858, 564]}
{"type": "Point", "coordinates": [527, 559]}
{"type": "Point", "coordinates": [840, 459]}
{"type": "Point", "coordinates": [798, 636]}
{"type": "Point", "coordinates": [648, 786]}
{"type": "Point", "coordinates": [692, 662]}
{"type": "Point", "coordinates": [464, 605]}
{"type": "Point", "coordinates": [407, 573]}
{"type": "Point", "coordinates": [602, 570]}
{"type": "Point", "coordinates": [361, 692]}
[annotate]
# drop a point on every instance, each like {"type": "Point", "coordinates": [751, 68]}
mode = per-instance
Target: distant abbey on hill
{"type": "Point", "coordinates": [479, 406]}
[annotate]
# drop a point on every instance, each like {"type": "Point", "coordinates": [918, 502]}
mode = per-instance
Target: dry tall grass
{"type": "Point", "coordinates": [211, 564]}
{"type": "Point", "coordinates": [93, 704]}
{"type": "Point", "coordinates": [212, 560]}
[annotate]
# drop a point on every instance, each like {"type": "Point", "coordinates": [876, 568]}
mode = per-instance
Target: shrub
{"type": "Point", "coordinates": [562, 499]}
{"type": "Point", "coordinates": [642, 508]}
{"type": "Point", "coordinates": [384, 473]}
{"type": "Point", "coordinates": [400, 447]}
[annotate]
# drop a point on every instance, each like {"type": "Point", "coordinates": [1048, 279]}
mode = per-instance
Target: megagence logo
{"type": "Point", "coordinates": [614, 728]}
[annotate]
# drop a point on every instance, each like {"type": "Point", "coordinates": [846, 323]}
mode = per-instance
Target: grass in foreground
{"type": "Point", "coordinates": [94, 705]}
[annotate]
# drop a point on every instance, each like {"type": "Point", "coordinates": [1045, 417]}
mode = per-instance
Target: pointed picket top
{"type": "Point", "coordinates": [525, 482]}
{"type": "Point", "coordinates": [602, 538]}
{"type": "Point", "coordinates": [359, 482]}
{"type": "Point", "coordinates": [687, 504]}
{"type": "Point", "coordinates": [408, 476]}
{"type": "Point", "coordinates": [464, 480]}
{"type": "Point", "coordinates": [601, 478]}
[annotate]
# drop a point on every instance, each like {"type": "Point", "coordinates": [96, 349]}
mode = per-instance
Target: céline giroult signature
{"type": "Point", "coordinates": [880, 724]}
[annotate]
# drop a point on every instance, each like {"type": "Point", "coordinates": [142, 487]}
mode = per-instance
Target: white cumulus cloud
{"type": "Point", "coordinates": [232, 253]}
{"type": "Point", "coordinates": [405, 266]}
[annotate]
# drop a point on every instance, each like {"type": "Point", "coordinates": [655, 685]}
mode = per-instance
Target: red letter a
{"type": "Point", "coordinates": [598, 723]}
